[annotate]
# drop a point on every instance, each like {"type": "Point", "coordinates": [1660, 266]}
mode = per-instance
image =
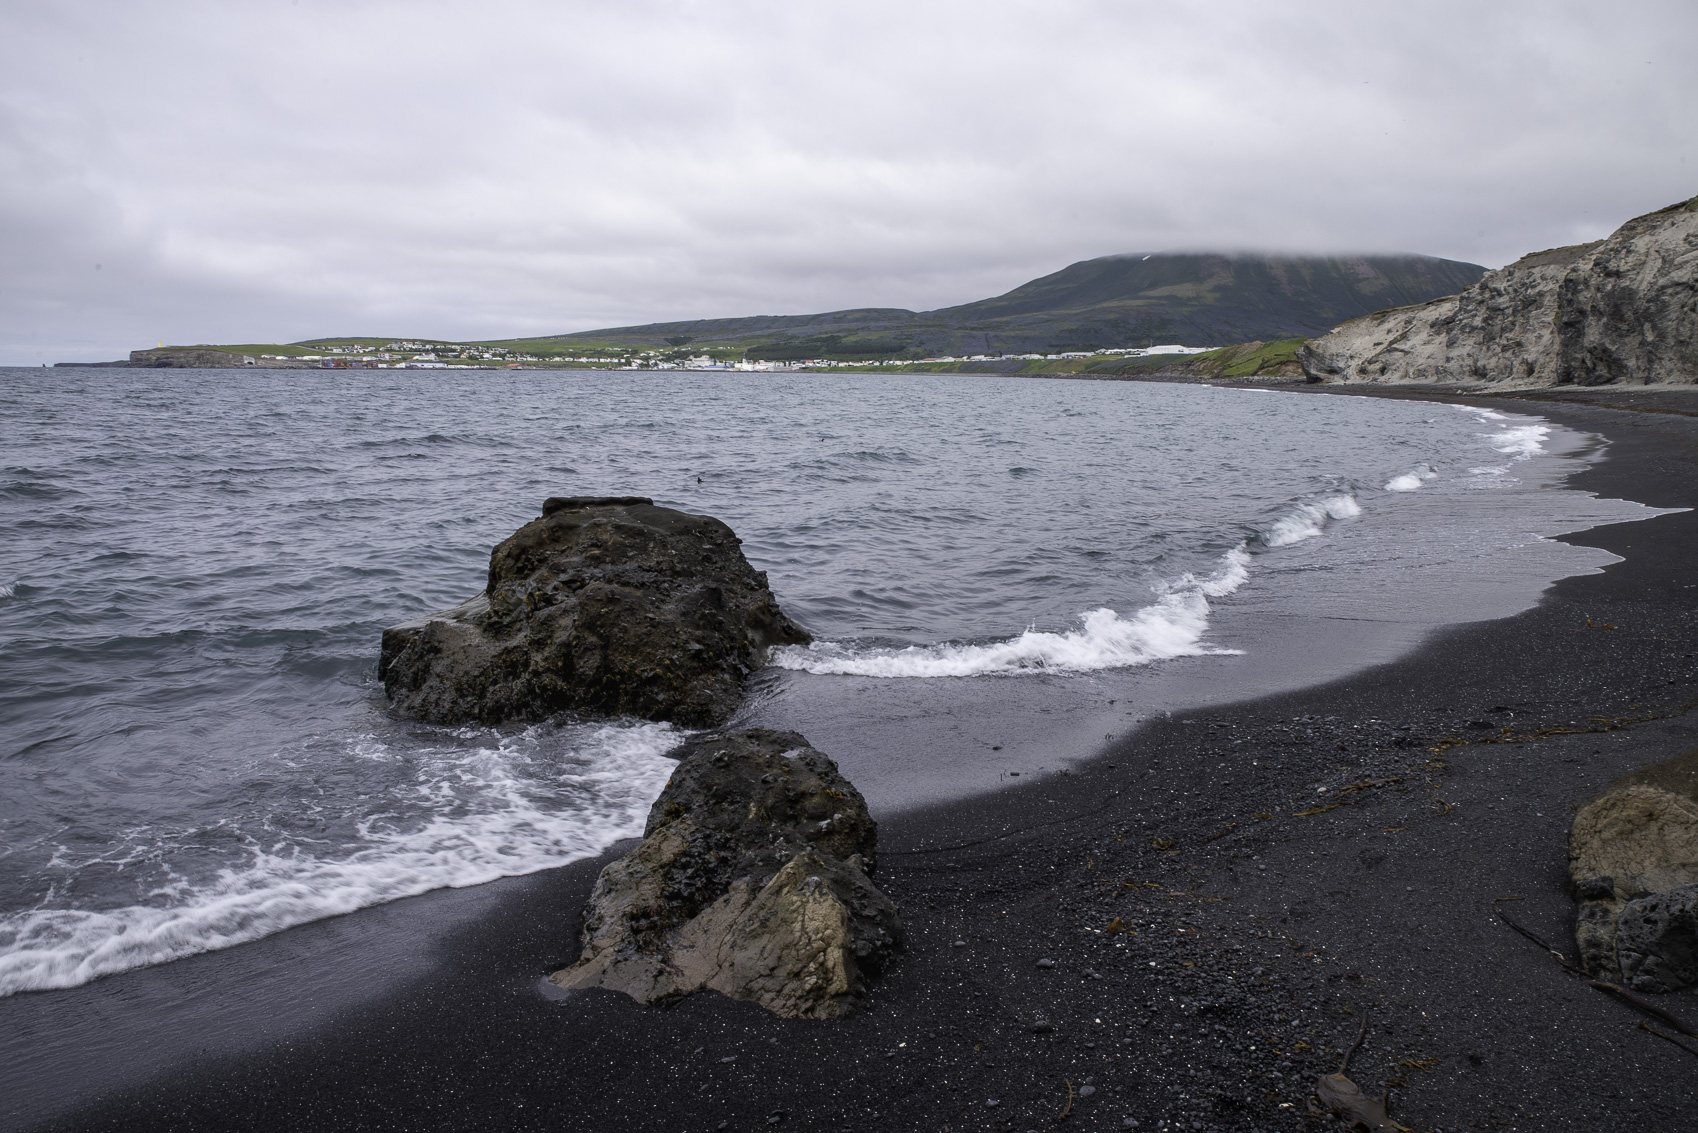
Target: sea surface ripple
{"type": "Point", "coordinates": [195, 567]}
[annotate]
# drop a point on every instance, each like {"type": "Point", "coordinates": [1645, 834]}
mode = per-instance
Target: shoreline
{"type": "Point", "coordinates": [1386, 898]}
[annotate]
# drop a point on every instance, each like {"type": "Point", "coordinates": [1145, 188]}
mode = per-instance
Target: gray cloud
{"type": "Point", "coordinates": [271, 171]}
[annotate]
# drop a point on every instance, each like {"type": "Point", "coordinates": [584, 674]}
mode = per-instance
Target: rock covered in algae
{"type": "Point", "coordinates": [605, 606]}
{"type": "Point", "coordinates": [752, 880]}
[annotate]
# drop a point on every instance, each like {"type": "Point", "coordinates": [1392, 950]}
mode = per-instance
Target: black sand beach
{"type": "Point", "coordinates": [1277, 868]}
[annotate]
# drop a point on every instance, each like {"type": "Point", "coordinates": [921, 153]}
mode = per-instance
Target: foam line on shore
{"type": "Point", "coordinates": [1517, 441]}
{"type": "Point", "coordinates": [489, 817]}
{"type": "Point", "coordinates": [1174, 625]}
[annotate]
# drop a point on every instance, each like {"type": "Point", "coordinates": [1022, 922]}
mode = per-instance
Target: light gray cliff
{"type": "Point", "coordinates": [1622, 310]}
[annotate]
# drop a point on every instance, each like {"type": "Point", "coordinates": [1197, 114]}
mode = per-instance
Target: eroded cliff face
{"type": "Point", "coordinates": [1621, 310]}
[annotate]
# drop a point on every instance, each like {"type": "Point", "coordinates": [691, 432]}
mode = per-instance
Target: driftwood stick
{"type": "Point", "coordinates": [1638, 1004]}
{"type": "Point", "coordinates": [1344, 1066]}
{"type": "Point", "coordinates": [1555, 955]}
{"type": "Point", "coordinates": [1644, 1026]}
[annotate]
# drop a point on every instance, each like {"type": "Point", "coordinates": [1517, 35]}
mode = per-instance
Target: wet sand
{"type": "Point", "coordinates": [1259, 920]}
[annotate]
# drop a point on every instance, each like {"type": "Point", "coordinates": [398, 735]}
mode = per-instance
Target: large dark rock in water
{"type": "Point", "coordinates": [752, 879]}
{"type": "Point", "coordinates": [607, 606]}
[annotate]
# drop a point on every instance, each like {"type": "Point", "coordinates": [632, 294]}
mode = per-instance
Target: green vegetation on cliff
{"type": "Point", "coordinates": [1251, 360]}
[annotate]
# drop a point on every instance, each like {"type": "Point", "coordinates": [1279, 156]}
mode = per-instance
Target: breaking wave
{"type": "Point", "coordinates": [1411, 481]}
{"type": "Point", "coordinates": [1174, 625]}
{"type": "Point", "coordinates": [1309, 520]}
{"type": "Point", "coordinates": [488, 815]}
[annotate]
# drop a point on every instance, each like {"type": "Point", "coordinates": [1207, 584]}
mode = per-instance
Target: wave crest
{"type": "Point", "coordinates": [1309, 520]}
{"type": "Point", "coordinates": [281, 886]}
{"type": "Point", "coordinates": [1171, 626]}
{"type": "Point", "coordinates": [1411, 481]}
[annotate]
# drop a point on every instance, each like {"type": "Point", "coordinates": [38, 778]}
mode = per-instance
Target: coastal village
{"type": "Point", "coordinates": [419, 355]}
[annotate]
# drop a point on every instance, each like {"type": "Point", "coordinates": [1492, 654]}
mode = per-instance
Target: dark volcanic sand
{"type": "Point", "coordinates": [1255, 936]}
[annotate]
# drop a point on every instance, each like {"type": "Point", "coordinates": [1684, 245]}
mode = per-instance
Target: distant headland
{"type": "Point", "coordinates": [1613, 312]}
{"type": "Point", "coordinates": [1104, 314]}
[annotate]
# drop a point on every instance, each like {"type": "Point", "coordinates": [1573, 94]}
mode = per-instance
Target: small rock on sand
{"type": "Point", "coordinates": [1637, 840]}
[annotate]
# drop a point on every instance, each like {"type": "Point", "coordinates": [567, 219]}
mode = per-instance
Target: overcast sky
{"type": "Point", "coordinates": [270, 170]}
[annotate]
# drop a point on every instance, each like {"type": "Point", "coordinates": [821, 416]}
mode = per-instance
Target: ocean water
{"type": "Point", "coordinates": [195, 567]}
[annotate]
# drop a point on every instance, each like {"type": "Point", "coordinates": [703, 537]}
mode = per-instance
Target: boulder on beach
{"type": "Point", "coordinates": [753, 879]}
{"type": "Point", "coordinates": [1633, 859]}
{"type": "Point", "coordinates": [1656, 940]}
{"type": "Point", "coordinates": [606, 606]}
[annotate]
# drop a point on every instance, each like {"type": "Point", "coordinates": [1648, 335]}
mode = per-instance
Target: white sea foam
{"type": "Point", "coordinates": [1517, 441]}
{"type": "Point", "coordinates": [9, 590]}
{"type": "Point", "coordinates": [1309, 520]}
{"type": "Point", "coordinates": [1521, 441]}
{"type": "Point", "coordinates": [1171, 626]}
{"type": "Point", "coordinates": [1411, 481]}
{"type": "Point", "coordinates": [506, 832]}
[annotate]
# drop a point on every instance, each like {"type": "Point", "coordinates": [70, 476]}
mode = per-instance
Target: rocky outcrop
{"type": "Point", "coordinates": [752, 880]}
{"type": "Point", "coordinates": [606, 606]}
{"type": "Point", "coordinates": [1624, 309]}
{"type": "Point", "coordinates": [1633, 859]}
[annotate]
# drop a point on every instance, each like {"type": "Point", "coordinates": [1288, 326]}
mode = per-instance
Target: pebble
{"type": "Point", "coordinates": [1046, 963]}
{"type": "Point", "coordinates": [1087, 1091]}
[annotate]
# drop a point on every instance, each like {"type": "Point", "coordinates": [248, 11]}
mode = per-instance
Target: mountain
{"type": "Point", "coordinates": [1198, 299]}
